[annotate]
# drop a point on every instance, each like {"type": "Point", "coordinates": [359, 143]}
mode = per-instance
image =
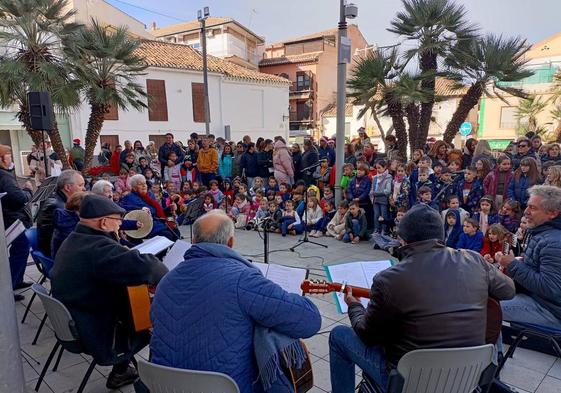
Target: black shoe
{"type": "Point", "coordinates": [115, 381]}
{"type": "Point", "coordinates": [23, 285]}
{"type": "Point", "coordinates": [18, 297]}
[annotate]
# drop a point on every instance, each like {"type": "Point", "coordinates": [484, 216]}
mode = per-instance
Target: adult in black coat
{"type": "Point", "coordinates": [68, 183]}
{"type": "Point", "coordinates": [248, 164]}
{"type": "Point", "coordinates": [167, 148]}
{"type": "Point", "coordinates": [296, 160]}
{"type": "Point", "coordinates": [13, 204]}
{"type": "Point", "coordinates": [91, 274]}
{"type": "Point", "coordinates": [265, 160]}
{"type": "Point", "coordinates": [309, 158]}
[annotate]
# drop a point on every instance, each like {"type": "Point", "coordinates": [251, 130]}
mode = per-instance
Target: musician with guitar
{"type": "Point", "coordinates": [210, 312]}
{"type": "Point", "coordinates": [90, 277]}
{"type": "Point", "coordinates": [436, 297]}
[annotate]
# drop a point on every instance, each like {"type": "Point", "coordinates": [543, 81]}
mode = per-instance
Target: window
{"type": "Point", "coordinates": [198, 98]}
{"type": "Point", "coordinates": [508, 117]}
{"type": "Point", "coordinates": [196, 46]}
{"type": "Point", "coordinates": [303, 81]}
{"type": "Point", "coordinates": [302, 111]}
{"type": "Point", "coordinates": [157, 102]}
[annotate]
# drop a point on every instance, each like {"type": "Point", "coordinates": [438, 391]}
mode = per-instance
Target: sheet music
{"type": "Point", "coordinates": [358, 274]}
{"type": "Point", "coordinates": [288, 278]}
{"type": "Point", "coordinates": [175, 255]}
{"type": "Point", "coordinates": [153, 246]}
{"type": "Point", "coordinates": [13, 231]}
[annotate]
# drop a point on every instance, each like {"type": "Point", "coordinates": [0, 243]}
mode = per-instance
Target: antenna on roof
{"type": "Point", "coordinates": [253, 11]}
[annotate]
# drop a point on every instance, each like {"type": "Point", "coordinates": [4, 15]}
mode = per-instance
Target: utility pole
{"type": "Point", "coordinates": [202, 15]}
{"type": "Point", "coordinates": [343, 57]}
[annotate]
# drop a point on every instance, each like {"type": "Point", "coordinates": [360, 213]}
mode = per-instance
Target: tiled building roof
{"type": "Point", "coordinates": [178, 56]}
{"type": "Point", "coordinates": [291, 59]}
{"type": "Point", "coordinates": [331, 111]}
{"type": "Point", "coordinates": [195, 25]}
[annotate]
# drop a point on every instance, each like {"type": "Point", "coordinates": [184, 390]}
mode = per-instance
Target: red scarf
{"type": "Point", "coordinates": [159, 209]}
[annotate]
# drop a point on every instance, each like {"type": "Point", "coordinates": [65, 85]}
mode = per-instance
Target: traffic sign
{"type": "Point", "coordinates": [465, 128]}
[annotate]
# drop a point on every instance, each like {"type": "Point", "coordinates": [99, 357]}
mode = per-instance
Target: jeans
{"type": "Point", "coordinates": [284, 223]}
{"type": "Point", "coordinates": [347, 349]}
{"type": "Point", "coordinates": [380, 210]}
{"type": "Point", "coordinates": [250, 182]}
{"type": "Point", "coordinates": [354, 232]}
{"type": "Point", "coordinates": [19, 252]}
{"type": "Point", "coordinates": [207, 177]}
{"type": "Point", "coordinates": [523, 308]}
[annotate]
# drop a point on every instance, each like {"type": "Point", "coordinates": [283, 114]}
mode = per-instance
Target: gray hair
{"type": "Point", "coordinates": [134, 180]}
{"type": "Point", "coordinates": [551, 197]}
{"type": "Point", "coordinates": [66, 177]}
{"type": "Point", "coordinates": [99, 186]}
{"type": "Point", "coordinates": [219, 234]}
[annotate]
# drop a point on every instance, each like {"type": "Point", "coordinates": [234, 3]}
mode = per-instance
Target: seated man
{"type": "Point", "coordinates": [206, 309]}
{"type": "Point", "coordinates": [436, 297]}
{"type": "Point", "coordinates": [539, 270]}
{"type": "Point", "coordinates": [68, 183]}
{"type": "Point", "coordinates": [90, 276]}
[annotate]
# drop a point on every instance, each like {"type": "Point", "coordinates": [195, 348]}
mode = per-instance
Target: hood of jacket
{"type": "Point", "coordinates": [280, 145]}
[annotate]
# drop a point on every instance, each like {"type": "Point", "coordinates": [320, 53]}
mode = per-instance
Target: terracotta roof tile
{"type": "Point", "coordinates": [291, 59]}
{"type": "Point", "coordinates": [177, 56]}
{"type": "Point", "coordinates": [332, 110]}
{"type": "Point", "coordinates": [312, 36]}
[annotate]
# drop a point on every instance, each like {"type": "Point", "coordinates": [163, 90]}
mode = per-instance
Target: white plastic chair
{"type": "Point", "coordinates": [162, 379]}
{"type": "Point", "coordinates": [449, 370]}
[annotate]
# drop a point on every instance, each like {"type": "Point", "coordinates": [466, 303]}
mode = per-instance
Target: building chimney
{"type": "Point", "coordinates": [154, 26]}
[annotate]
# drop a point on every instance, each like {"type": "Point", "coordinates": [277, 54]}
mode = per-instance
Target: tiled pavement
{"type": "Point", "coordinates": [528, 371]}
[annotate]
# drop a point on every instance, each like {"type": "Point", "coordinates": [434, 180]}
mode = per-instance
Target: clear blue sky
{"type": "Point", "coordinates": [278, 20]}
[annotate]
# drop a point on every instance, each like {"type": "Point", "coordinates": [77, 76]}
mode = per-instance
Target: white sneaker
{"type": "Point", "coordinates": [319, 234]}
{"type": "Point", "coordinates": [313, 233]}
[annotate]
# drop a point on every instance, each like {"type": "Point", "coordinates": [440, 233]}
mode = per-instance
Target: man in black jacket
{"type": "Point", "coordinates": [90, 276]}
{"type": "Point", "coordinates": [436, 297]}
{"type": "Point", "coordinates": [309, 157]}
{"type": "Point", "coordinates": [167, 148]}
{"type": "Point", "coordinates": [13, 204]}
{"type": "Point", "coordinates": [68, 183]}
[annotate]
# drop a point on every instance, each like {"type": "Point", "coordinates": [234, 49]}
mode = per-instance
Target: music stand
{"type": "Point", "coordinates": [305, 239]}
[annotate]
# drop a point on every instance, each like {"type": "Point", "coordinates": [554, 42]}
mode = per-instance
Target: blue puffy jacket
{"type": "Point", "coordinates": [359, 188]}
{"type": "Point", "coordinates": [518, 189]}
{"type": "Point", "coordinates": [133, 201]}
{"type": "Point", "coordinates": [205, 311]}
{"type": "Point", "coordinates": [540, 271]}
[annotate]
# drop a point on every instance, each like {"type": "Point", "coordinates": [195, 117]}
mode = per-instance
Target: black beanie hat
{"type": "Point", "coordinates": [420, 223]}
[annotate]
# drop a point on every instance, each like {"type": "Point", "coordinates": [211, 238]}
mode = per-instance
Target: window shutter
{"type": "Point", "coordinates": [157, 102]}
{"type": "Point", "coordinates": [198, 97]}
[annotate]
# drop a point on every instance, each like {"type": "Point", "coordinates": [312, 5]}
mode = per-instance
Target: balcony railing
{"type": "Point", "coordinates": [300, 116]}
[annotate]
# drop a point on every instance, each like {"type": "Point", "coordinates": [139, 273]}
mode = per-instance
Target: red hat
{"type": "Point", "coordinates": [324, 138]}
{"type": "Point", "coordinates": [76, 141]}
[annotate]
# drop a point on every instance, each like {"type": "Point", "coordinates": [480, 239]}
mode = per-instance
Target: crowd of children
{"type": "Point", "coordinates": [481, 196]}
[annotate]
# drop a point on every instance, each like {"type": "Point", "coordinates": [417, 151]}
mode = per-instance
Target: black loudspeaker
{"type": "Point", "coordinates": [40, 110]}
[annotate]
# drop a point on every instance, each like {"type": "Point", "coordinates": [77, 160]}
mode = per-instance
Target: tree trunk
{"type": "Point", "coordinates": [428, 64]}
{"type": "Point", "coordinates": [467, 103]}
{"type": "Point", "coordinates": [395, 111]}
{"type": "Point", "coordinates": [95, 123]}
{"type": "Point", "coordinates": [58, 146]}
{"type": "Point", "coordinates": [412, 111]}
{"type": "Point", "coordinates": [558, 132]}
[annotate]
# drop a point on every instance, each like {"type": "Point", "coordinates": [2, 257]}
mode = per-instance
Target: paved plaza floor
{"type": "Point", "coordinates": [528, 371]}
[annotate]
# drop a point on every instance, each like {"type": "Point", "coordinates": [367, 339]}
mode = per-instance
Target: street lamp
{"type": "Point", "coordinates": [343, 57]}
{"type": "Point", "coordinates": [201, 16]}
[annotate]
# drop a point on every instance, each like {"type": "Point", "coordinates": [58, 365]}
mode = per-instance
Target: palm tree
{"type": "Point", "coordinates": [529, 108]}
{"type": "Point", "coordinates": [556, 115]}
{"type": "Point", "coordinates": [107, 65]}
{"type": "Point", "coordinates": [370, 86]}
{"type": "Point", "coordinates": [31, 31]}
{"type": "Point", "coordinates": [487, 65]}
{"type": "Point", "coordinates": [435, 25]}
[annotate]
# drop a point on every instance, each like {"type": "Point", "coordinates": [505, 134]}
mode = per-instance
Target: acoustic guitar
{"type": "Point", "coordinates": [494, 311]}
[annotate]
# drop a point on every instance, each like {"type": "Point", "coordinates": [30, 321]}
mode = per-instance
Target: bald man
{"type": "Point", "coordinates": [205, 310]}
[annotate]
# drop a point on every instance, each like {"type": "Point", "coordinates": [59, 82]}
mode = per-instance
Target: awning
{"type": "Point", "coordinates": [499, 144]}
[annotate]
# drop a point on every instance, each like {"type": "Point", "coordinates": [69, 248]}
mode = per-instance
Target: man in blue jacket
{"type": "Point", "coordinates": [206, 309]}
{"type": "Point", "coordinates": [539, 270]}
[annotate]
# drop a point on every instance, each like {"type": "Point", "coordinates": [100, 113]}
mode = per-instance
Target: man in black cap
{"type": "Point", "coordinates": [435, 297]}
{"type": "Point", "coordinates": [90, 276]}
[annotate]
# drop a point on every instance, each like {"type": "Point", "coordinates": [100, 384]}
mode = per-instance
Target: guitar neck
{"type": "Point", "coordinates": [361, 292]}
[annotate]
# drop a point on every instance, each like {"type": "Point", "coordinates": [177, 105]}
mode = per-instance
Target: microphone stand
{"type": "Point", "coordinates": [305, 239]}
